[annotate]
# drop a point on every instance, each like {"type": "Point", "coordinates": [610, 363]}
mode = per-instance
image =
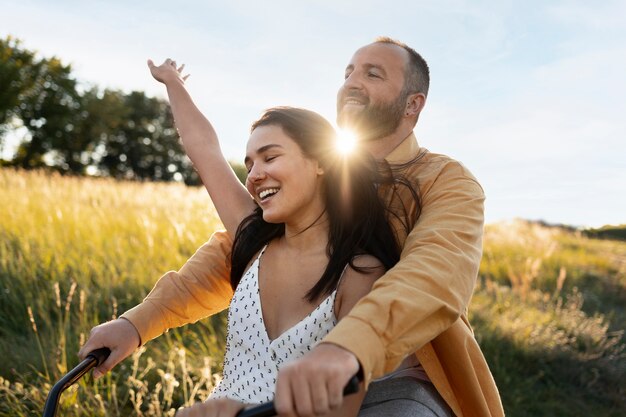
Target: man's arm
{"type": "Point", "coordinates": [199, 289]}
{"type": "Point", "coordinates": [431, 285]}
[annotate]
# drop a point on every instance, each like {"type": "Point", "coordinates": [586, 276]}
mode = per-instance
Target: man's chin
{"type": "Point", "coordinates": [349, 117]}
{"type": "Point", "coordinates": [352, 119]}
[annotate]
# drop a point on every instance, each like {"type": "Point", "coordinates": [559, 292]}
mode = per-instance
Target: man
{"type": "Point", "coordinates": [415, 316]}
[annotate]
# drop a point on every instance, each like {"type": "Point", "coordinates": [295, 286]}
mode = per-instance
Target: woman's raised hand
{"type": "Point", "coordinates": [167, 72]}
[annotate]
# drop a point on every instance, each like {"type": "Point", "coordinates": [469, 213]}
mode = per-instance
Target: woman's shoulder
{"type": "Point", "coordinates": [366, 262]}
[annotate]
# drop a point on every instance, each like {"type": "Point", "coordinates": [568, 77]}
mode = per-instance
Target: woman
{"type": "Point", "coordinates": [307, 246]}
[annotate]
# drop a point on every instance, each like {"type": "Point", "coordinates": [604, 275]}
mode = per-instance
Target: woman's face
{"type": "Point", "coordinates": [285, 184]}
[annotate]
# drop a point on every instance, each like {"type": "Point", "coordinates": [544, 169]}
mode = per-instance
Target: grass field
{"type": "Point", "coordinates": [549, 310]}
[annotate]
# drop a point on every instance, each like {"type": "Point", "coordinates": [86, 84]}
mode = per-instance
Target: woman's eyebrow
{"type": "Point", "coordinates": [262, 149]}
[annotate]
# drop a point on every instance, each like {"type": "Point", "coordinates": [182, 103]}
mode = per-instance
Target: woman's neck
{"type": "Point", "coordinates": [307, 237]}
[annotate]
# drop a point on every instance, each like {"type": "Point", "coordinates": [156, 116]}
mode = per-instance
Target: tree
{"type": "Point", "coordinates": [15, 81]}
{"type": "Point", "coordinates": [72, 129]}
{"type": "Point", "coordinates": [49, 112]}
{"type": "Point", "coordinates": [98, 114]}
{"type": "Point", "coordinates": [146, 144]}
{"type": "Point", "coordinates": [40, 93]}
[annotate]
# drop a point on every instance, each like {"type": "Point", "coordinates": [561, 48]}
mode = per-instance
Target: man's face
{"type": "Point", "coordinates": [372, 101]}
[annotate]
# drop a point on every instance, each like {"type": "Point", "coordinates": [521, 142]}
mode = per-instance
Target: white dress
{"type": "Point", "coordinates": [252, 360]}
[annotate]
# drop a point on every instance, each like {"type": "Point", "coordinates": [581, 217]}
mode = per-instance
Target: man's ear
{"type": "Point", "coordinates": [414, 104]}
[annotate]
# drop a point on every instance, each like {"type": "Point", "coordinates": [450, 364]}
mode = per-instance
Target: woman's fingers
{"type": "Point", "coordinates": [223, 407]}
{"type": "Point", "coordinates": [167, 71]}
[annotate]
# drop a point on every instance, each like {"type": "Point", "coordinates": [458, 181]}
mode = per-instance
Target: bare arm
{"type": "Point", "coordinates": [230, 197]}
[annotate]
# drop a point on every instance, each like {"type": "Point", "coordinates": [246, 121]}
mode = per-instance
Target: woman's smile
{"type": "Point", "coordinates": [267, 193]}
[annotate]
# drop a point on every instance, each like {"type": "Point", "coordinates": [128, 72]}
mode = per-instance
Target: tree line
{"type": "Point", "coordinates": [72, 128]}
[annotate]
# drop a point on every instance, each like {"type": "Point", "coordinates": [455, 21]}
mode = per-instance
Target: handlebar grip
{"type": "Point", "coordinates": [268, 410]}
{"type": "Point", "coordinates": [352, 387]}
{"type": "Point", "coordinates": [100, 355]}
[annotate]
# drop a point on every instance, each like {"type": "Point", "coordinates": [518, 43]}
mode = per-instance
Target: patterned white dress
{"type": "Point", "coordinates": [252, 360]}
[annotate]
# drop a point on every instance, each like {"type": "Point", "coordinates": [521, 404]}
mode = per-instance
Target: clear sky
{"type": "Point", "coordinates": [529, 95]}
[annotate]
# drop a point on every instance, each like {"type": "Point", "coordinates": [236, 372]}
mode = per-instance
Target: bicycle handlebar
{"type": "Point", "coordinates": [96, 357]}
{"type": "Point", "coordinates": [92, 360]}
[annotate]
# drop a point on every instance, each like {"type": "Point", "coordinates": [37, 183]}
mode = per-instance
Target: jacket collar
{"type": "Point", "coordinates": [405, 151]}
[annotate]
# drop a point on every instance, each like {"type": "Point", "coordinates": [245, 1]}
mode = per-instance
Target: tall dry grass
{"type": "Point", "coordinates": [75, 252]}
{"type": "Point", "coordinates": [549, 310]}
{"type": "Point", "coordinates": [549, 314]}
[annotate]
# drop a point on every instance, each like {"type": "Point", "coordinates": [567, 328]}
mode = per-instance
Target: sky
{"type": "Point", "coordinates": [529, 95]}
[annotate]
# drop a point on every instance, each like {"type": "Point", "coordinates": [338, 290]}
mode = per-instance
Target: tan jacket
{"type": "Point", "coordinates": [420, 305]}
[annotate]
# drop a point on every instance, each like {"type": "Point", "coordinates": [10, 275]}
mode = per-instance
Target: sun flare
{"type": "Point", "coordinates": [346, 141]}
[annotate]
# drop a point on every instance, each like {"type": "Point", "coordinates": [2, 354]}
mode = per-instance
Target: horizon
{"type": "Point", "coordinates": [528, 97]}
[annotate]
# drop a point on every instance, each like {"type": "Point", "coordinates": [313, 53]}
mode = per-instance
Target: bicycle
{"type": "Point", "coordinates": [98, 356]}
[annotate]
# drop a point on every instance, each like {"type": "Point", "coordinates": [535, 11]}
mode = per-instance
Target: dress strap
{"type": "Point", "coordinates": [341, 276]}
{"type": "Point", "coordinates": [261, 252]}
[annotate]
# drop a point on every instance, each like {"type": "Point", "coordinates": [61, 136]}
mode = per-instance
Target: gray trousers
{"type": "Point", "coordinates": [405, 396]}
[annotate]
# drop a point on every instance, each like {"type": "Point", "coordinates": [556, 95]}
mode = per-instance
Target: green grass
{"type": "Point", "coordinates": [549, 310]}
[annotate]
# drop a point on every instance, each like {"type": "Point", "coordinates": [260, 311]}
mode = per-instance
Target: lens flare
{"type": "Point", "coordinates": [346, 141]}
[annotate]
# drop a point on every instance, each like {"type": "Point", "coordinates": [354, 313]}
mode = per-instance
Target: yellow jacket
{"type": "Point", "coordinates": [420, 305]}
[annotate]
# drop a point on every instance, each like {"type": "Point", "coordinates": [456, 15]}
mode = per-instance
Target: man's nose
{"type": "Point", "coordinates": [352, 82]}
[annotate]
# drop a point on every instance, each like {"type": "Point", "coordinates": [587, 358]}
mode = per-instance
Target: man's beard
{"type": "Point", "coordinates": [374, 121]}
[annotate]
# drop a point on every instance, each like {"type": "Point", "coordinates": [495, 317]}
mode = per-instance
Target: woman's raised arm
{"type": "Point", "coordinates": [230, 197]}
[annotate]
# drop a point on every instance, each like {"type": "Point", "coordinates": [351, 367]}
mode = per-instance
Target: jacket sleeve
{"type": "Point", "coordinates": [430, 287]}
{"type": "Point", "coordinates": [200, 288]}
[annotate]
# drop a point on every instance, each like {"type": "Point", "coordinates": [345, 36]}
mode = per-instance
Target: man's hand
{"type": "Point", "coordinates": [222, 407]}
{"type": "Point", "coordinates": [120, 336]}
{"type": "Point", "coordinates": [313, 384]}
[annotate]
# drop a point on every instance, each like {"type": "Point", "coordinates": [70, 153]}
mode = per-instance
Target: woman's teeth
{"type": "Point", "coordinates": [266, 193]}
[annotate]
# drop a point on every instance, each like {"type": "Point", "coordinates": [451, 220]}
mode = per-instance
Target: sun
{"type": "Point", "coordinates": [346, 141]}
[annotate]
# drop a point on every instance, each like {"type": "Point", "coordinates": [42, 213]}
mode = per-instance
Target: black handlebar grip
{"type": "Point", "coordinates": [100, 355]}
{"type": "Point", "coordinates": [352, 386]}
